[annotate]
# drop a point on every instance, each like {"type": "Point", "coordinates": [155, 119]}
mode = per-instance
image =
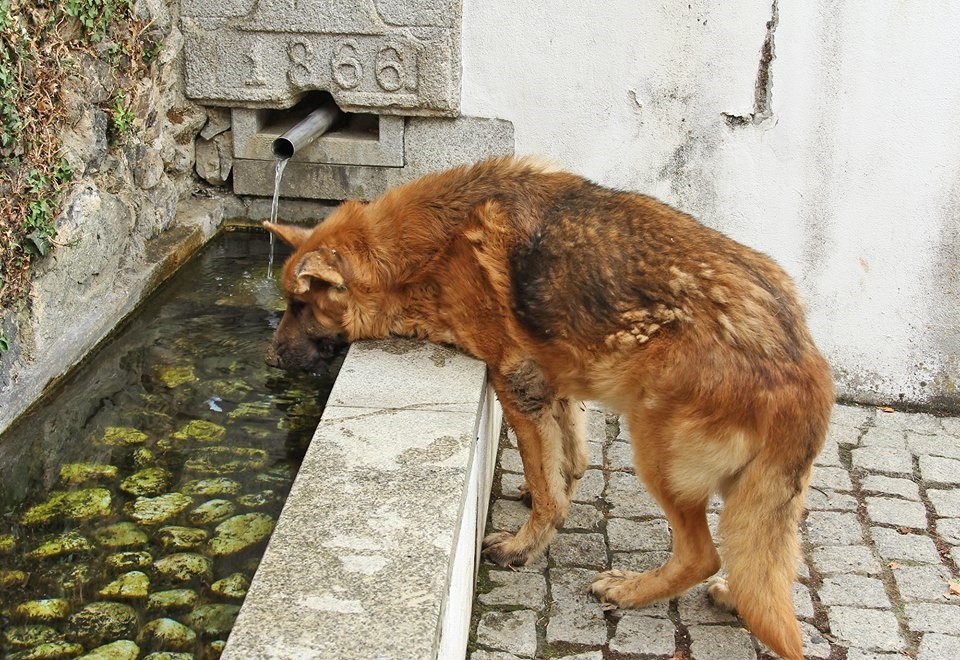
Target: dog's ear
{"type": "Point", "coordinates": [322, 264]}
{"type": "Point", "coordinates": [292, 235]}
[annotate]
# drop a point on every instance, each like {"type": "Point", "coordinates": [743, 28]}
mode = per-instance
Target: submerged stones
{"type": "Point", "coordinates": [61, 544]}
{"type": "Point", "coordinates": [175, 375]}
{"type": "Point", "coordinates": [149, 481]}
{"type": "Point", "coordinates": [211, 487]}
{"type": "Point", "coordinates": [122, 436]}
{"type": "Point", "coordinates": [167, 635]}
{"type": "Point", "coordinates": [130, 585]}
{"type": "Point", "coordinates": [29, 635]}
{"type": "Point", "coordinates": [232, 587]}
{"type": "Point", "coordinates": [74, 474]}
{"type": "Point", "coordinates": [172, 600]}
{"type": "Point", "coordinates": [74, 506]}
{"type": "Point", "coordinates": [160, 509]}
{"type": "Point", "coordinates": [226, 460]}
{"type": "Point", "coordinates": [239, 533]}
{"type": "Point", "coordinates": [125, 561]}
{"type": "Point", "coordinates": [212, 512]}
{"type": "Point", "coordinates": [120, 535]}
{"type": "Point", "coordinates": [182, 538]}
{"type": "Point", "coordinates": [101, 622]}
{"type": "Point", "coordinates": [148, 474]}
{"type": "Point", "coordinates": [122, 649]}
{"type": "Point", "coordinates": [200, 430]}
{"type": "Point", "coordinates": [184, 567]}
{"type": "Point", "coordinates": [213, 621]}
{"type": "Point", "coordinates": [42, 610]}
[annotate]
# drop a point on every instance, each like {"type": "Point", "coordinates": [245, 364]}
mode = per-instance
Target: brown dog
{"type": "Point", "coordinates": [570, 291]}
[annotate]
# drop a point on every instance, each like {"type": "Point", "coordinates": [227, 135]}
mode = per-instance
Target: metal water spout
{"type": "Point", "coordinates": [305, 131]}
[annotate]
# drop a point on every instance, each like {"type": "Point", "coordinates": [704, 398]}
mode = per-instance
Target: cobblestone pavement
{"type": "Point", "coordinates": [880, 539]}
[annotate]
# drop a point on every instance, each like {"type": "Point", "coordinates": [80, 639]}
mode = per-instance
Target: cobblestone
{"type": "Point", "coordinates": [881, 542]}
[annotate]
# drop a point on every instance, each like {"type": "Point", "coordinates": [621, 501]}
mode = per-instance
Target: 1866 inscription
{"type": "Point", "coordinates": [354, 63]}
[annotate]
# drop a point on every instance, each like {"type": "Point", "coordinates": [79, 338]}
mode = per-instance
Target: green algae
{"type": "Point", "coordinates": [73, 506]}
{"type": "Point", "coordinates": [65, 543]}
{"type": "Point", "coordinates": [239, 533]}
{"type": "Point", "coordinates": [122, 436]}
{"type": "Point", "coordinates": [74, 474]}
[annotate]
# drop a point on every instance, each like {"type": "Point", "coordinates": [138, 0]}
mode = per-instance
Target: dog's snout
{"type": "Point", "coordinates": [272, 358]}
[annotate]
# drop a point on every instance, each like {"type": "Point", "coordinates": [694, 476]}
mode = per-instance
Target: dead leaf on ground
{"type": "Point", "coordinates": [886, 409]}
{"type": "Point", "coordinates": [893, 566]}
{"type": "Point", "coordinates": [954, 589]}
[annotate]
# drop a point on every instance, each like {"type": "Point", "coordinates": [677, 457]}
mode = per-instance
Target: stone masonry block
{"type": "Point", "coordinates": [940, 470]}
{"type": "Point", "coordinates": [901, 513]}
{"type": "Point", "coordinates": [831, 528]}
{"type": "Point", "coordinates": [430, 145]}
{"type": "Point", "coordinates": [853, 590]}
{"type": "Point", "coordinates": [930, 617]}
{"type": "Point", "coordinates": [893, 460]}
{"type": "Point", "coordinates": [637, 633]}
{"type": "Point", "coordinates": [850, 416]}
{"type": "Point", "coordinates": [721, 643]}
{"type": "Point", "coordinates": [833, 478]}
{"type": "Point", "coordinates": [514, 632]}
{"type": "Point", "coordinates": [928, 582]}
{"type": "Point", "coordinates": [628, 498]}
{"type": "Point", "coordinates": [866, 629]}
{"type": "Point", "coordinates": [846, 559]}
{"type": "Point", "coordinates": [269, 53]}
{"type": "Point", "coordinates": [935, 646]}
{"type": "Point", "coordinates": [878, 483]}
{"type": "Point", "coordinates": [511, 588]}
{"type": "Point", "coordinates": [577, 617]}
{"type": "Point", "coordinates": [883, 437]}
{"type": "Point", "coordinates": [569, 550]}
{"type": "Point", "coordinates": [945, 502]}
{"type": "Point", "coordinates": [625, 535]}
{"type": "Point", "coordinates": [892, 545]}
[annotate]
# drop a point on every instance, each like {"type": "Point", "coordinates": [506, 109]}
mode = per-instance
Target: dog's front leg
{"type": "Point", "coordinates": [529, 406]}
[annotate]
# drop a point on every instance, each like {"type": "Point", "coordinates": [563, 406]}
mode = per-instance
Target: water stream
{"type": "Point", "coordinates": [274, 207]}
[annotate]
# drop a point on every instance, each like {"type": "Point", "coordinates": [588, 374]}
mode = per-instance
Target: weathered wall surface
{"type": "Point", "coordinates": [127, 219]}
{"type": "Point", "coordinates": [823, 133]}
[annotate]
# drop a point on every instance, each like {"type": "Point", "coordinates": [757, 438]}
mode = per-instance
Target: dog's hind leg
{"type": "Point", "coordinates": [534, 413]}
{"type": "Point", "coordinates": [694, 559]}
{"type": "Point", "coordinates": [683, 496]}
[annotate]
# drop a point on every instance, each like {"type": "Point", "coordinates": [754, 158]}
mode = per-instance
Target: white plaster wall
{"type": "Point", "coordinates": [852, 183]}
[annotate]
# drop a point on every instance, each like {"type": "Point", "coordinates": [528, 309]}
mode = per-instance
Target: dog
{"type": "Point", "coordinates": [570, 291]}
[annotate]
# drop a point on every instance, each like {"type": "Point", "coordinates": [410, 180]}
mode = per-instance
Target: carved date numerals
{"type": "Point", "coordinates": [351, 64]}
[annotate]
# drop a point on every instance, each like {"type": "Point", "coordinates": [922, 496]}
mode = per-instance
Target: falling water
{"type": "Point", "coordinates": [281, 164]}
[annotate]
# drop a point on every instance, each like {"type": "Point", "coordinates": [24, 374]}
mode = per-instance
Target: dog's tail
{"type": "Point", "coordinates": [758, 537]}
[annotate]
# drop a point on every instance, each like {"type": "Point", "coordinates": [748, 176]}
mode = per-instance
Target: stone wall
{"type": "Point", "coordinates": [128, 218]}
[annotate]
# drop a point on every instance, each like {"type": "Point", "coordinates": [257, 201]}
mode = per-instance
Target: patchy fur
{"type": "Point", "coordinates": [571, 291]}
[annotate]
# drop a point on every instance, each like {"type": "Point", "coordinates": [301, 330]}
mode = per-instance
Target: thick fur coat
{"type": "Point", "coordinates": [569, 291]}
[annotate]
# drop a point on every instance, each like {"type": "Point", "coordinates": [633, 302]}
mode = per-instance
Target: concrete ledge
{"type": "Point", "coordinates": [375, 552]}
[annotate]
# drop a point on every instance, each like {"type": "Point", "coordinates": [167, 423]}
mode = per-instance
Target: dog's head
{"type": "Point", "coordinates": [314, 282]}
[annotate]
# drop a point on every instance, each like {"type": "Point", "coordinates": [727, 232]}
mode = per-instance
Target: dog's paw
{"type": "Point", "coordinates": [608, 588]}
{"type": "Point", "coordinates": [720, 594]}
{"type": "Point", "coordinates": [502, 548]}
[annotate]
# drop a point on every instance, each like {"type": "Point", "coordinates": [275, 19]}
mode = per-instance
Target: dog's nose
{"type": "Point", "coordinates": [272, 358]}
